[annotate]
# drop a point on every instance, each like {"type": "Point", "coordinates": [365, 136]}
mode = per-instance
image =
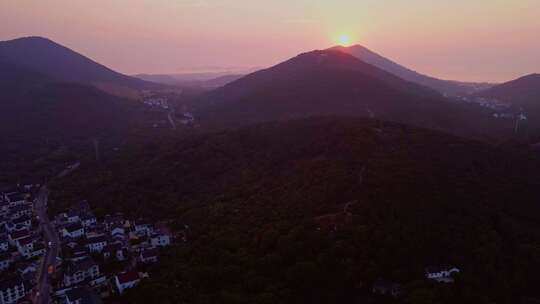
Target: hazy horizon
{"type": "Point", "coordinates": [491, 41]}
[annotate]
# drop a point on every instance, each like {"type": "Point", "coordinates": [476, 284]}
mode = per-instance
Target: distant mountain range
{"type": "Point", "coordinates": [447, 87]}
{"type": "Point", "coordinates": [332, 82]}
{"type": "Point", "coordinates": [61, 64]}
{"type": "Point", "coordinates": [208, 80]}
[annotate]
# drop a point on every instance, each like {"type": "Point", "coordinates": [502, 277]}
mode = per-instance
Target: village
{"type": "Point", "coordinates": [94, 259]}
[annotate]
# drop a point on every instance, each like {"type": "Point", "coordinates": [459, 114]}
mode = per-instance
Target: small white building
{"type": "Point", "coordinates": [78, 271]}
{"type": "Point", "coordinates": [88, 220]}
{"type": "Point", "coordinates": [97, 243]}
{"type": "Point", "coordinates": [441, 274]}
{"type": "Point", "coordinates": [126, 280]}
{"type": "Point", "coordinates": [4, 244]}
{"type": "Point", "coordinates": [75, 230]}
{"type": "Point", "coordinates": [149, 255]}
{"type": "Point", "coordinates": [11, 290]}
{"type": "Point", "coordinates": [160, 240]}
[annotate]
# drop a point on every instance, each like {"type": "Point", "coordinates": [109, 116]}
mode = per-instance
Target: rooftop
{"type": "Point", "coordinates": [127, 277]}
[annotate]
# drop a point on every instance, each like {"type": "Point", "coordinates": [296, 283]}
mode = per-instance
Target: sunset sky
{"type": "Point", "coordinates": [481, 40]}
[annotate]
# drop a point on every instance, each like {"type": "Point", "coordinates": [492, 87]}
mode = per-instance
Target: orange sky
{"type": "Point", "coordinates": [481, 40]}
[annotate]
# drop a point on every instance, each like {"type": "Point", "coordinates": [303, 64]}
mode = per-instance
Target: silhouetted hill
{"type": "Point", "coordinates": [316, 210]}
{"type": "Point", "coordinates": [448, 87]}
{"type": "Point", "coordinates": [334, 83]}
{"type": "Point", "coordinates": [524, 91]}
{"type": "Point", "coordinates": [64, 65]}
{"type": "Point", "coordinates": [40, 117]}
{"type": "Point", "coordinates": [523, 96]}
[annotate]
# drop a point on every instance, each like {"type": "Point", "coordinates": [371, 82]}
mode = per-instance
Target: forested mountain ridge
{"type": "Point", "coordinates": [277, 209]}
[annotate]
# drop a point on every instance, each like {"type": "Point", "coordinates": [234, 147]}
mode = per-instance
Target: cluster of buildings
{"type": "Point", "coordinates": [101, 257]}
{"type": "Point", "coordinates": [21, 243]}
{"type": "Point", "coordinates": [97, 257]}
{"type": "Point", "coordinates": [158, 102]}
{"type": "Point", "coordinates": [439, 274]}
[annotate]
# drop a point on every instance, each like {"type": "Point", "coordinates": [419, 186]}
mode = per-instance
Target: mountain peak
{"type": "Point", "coordinates": [46, 57]}
{"type": "Point", "coordinates": [29, 39]}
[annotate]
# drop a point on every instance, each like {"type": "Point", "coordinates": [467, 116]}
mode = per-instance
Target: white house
{"type": "Point", "coordinates": [11, 290]}
{"type": "Point", "coordinates": [5, 261]}
{"type": "Point", "coordinates": [4, 244]}
{"type": "Point", "coordinates": [17, 211]}
{"type": "Point", "coordinates": [149, 255]}
{"type": "Point", "coordinates": [97, 243]}
{"type": "Point", "coordinates": [88, 220]}
{"type": "Point", "coordinates": [126, 280]}
{"type": "Point", "coordinates": [441, 274]}
{"type": "Point", "coordinates": [15, 199]}
{"type": "Point", "coordinates": [160, 240]}
{"type": "Point", "coordinates": [75, 230]}
{"type": "Point", "coordinates": [39, 249]}
{"type": "Point", "coordinates": [73, 217]}
{"type": "Point", "coordinates": [118, 230]}
{"type": "Point", "coordinates": [25, 246]}
{"type": "Point", "coordinates": [24, 220]}
{"type": "Point", "coordinates": [81, 295]}
{"type": "Point", "coordinates": [143, 229]}
{"type": "Point", "coordinates": [78, 271]}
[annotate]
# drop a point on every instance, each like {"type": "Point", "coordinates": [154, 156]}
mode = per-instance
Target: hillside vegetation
{"type": "Point", "coordinates": [316, 210]}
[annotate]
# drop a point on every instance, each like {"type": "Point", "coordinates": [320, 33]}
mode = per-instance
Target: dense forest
{"type": "Point", "coordinates": [317, 210]}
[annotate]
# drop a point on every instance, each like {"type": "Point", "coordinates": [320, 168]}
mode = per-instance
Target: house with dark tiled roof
{"type": "Point", "coordinates": [5, 261]}
{"type": "Point", "coordinates": [126, 280]}
{"type": "Point", "coordinates": [75, 230]}
{"type": "Point", "coordinates": [111, 250]}
{"type": "Point", "coordinates": [73, 216]}
{"type": "Point", "coordinates": [20, 210]}
{"type": "Point", "coordinates": [16, 235]}
{"type": "Point", "coordinates": [4, 243]}
{"type": "Point", "coordinates": [24, 220]}
{"type": "Point", "coordinates": [96, 243]}
{"type": "Point", "coordinates": [442, 273]}
{"type": "Point", "coordinates": [25, 246]}
{"type": "Point", "coordinates": [149, 255]}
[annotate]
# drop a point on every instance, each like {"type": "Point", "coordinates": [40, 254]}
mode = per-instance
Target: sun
{"type": "Point", "coordinates": [344, 40]}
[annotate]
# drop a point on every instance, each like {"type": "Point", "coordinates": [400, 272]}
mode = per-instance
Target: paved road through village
{"type": "Point", "coordinates": [50, 237]}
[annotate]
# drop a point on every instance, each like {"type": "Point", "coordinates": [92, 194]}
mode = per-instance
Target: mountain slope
{"type": "Point", "coordinates": [444, 86]}
{"type": "Point", "coordinates": [277, 209]}
{"type": "Point", "coordinates": [40, 118]}
{"type": "Point", "coordinates": [523, 96]}
{"type": "Point", "coordinates": [334, 83]}
{"type": "Point", "coordinates": [64, 65]}
{"type": "Point", "coordinates": [524, 91]}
